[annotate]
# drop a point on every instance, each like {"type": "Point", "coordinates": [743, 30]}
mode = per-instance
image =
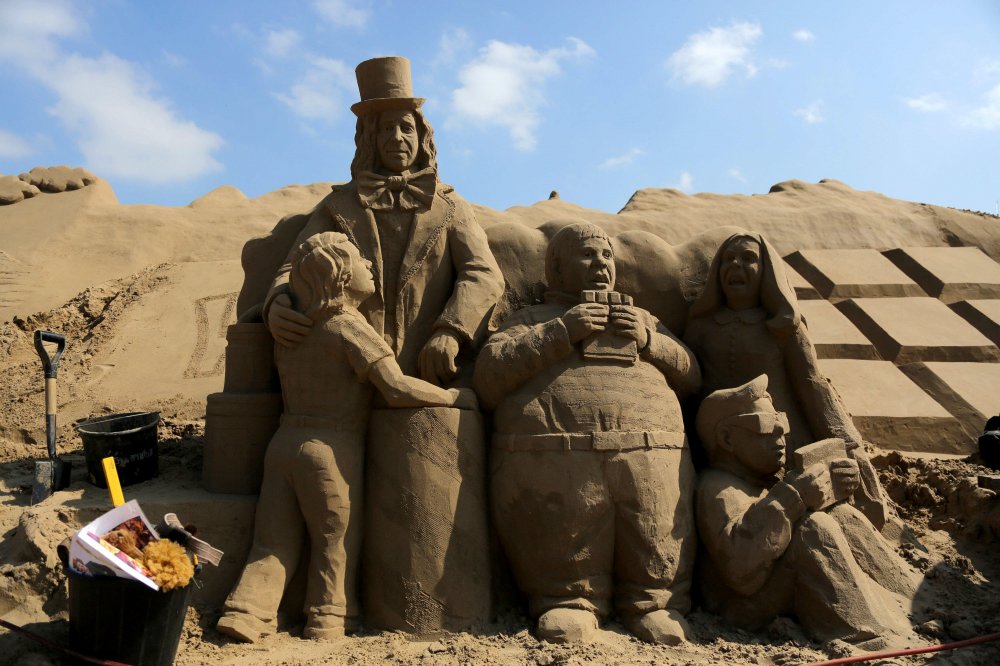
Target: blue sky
{"type": "Point", "coordinates": [594, 99]}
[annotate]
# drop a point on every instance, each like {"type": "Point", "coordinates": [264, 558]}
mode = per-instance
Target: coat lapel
{"type": "Point", "coordinates": [427, 227]}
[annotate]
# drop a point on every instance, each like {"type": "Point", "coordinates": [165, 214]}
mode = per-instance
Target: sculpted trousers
{"type": "Point", "coordinates": [583, 528]}
{"type": "Point", "coordinates": [839, 576]}
{"type": "Point", "coordinates": [312, 483]}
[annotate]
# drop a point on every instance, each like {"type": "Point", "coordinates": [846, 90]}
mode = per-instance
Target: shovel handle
{"type": "Point", "coordinates": [50, 363]}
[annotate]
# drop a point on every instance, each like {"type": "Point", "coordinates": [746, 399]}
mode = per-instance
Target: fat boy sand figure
{"type": "Point", "coordinates": [592, 482]}
{"type": "Point", "coordinates": [313, 467]}
{"type": "Point", "coordinates": [776, 546]}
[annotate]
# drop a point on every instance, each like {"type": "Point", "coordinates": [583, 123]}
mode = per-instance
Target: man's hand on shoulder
{"type": "Point", "coordinates": [437, 359]}
{"type": "Point", "coordinates": [288, 326]}
{"type": "Point", "coordinates": [627, 322]}
{"type": "Point", "coordinates": [584, 319]}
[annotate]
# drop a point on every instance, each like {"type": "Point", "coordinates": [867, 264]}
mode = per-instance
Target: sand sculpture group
{"type": "Point", "coordinates": [580, 477]}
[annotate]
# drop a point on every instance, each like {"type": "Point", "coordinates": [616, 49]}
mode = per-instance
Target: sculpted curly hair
{"type": "Point", "coordinates": [321, 269]}
{"type": "Point", "coordinates": [366, 149]}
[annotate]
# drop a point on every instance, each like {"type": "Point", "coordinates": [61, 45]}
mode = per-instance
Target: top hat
{"type": "Point", "coordinates": [384, 83]}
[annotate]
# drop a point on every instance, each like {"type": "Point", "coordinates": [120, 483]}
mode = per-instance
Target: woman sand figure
{"type": "Point", "coordinates": [745, 323]}
{"type": "Point", "coordinates": [313, 468]}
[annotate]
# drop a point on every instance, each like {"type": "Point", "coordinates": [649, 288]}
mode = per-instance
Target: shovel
{"type": "Point", "coordinates": [52, 474]}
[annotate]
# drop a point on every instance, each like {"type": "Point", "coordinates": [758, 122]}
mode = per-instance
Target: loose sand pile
{"type": "Point", "coordinates": [144, 293]}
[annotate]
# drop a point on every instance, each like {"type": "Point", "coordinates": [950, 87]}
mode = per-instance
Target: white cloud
{"type": "Point", "coordinates": [738, 175]}
{"type": "Point", "coordinates": [986, 116]}
{"type": "Point", "coordinates": [504, 86]}
{"type": "Point", "coordinates": [12, 146]}
{"type": "Point", "coordinates": [930, 103]}
{"type": "Point", "coordinates": [803, 35]}
{"type": "Point", "coordinates": [620, 160]}
{"type": "Point", "coordinates": [122, 129]}
{"type": "Point", "coordinates": [318, 94]}
{"type": "Point", "coordinates": [685, 183]}
{"type": "Point", "coordinates": [454, 42]}
{"type": "Point", "coordinates": [172, 59]}
{"type": "Point", "coordinates": [811, 113]}
{"type": "Point", "coordinates": [343, 13]}
{"type": "Point", "coordinates": [107, 103]}
{"type": "Point", "coordinates": [708, 58]}
{"type": "Point", "coordinates": [279, 43]}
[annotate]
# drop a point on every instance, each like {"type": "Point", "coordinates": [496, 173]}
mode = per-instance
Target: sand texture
{"type": "Point", "coordinates": [144, 295]}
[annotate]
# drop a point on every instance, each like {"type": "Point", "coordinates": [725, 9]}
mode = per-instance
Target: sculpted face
{"type": "Point", "coordinates": [740, 273]}
{"type": "Point", "coordinates": [397, 140]}
{"type": "Point", "coordinates": [362, 284]}
{"type": "Point", "coordinates": [588, 264]}
{"type": "Point", "coordinates": [757, 438]}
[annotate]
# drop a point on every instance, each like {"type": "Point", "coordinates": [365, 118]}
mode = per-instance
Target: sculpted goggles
{"type": "Point", "coordinates": [764, 423]}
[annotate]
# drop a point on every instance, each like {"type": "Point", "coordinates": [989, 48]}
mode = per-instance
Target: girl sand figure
{"type": "Point", "coordinates": [314, 463]}
{"type": "Point", "coordinates": [745, 323]}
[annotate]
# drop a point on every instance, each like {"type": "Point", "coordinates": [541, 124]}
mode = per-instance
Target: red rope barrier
{"type": "Point", "coordinates": [902, 653]}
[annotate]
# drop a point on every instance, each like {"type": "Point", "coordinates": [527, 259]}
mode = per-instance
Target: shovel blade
{"type": "Point", "coordinates": [50, 476]}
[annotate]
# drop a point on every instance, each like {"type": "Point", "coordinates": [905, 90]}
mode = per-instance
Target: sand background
{"type": "Point", "coordinates": [144, 295]}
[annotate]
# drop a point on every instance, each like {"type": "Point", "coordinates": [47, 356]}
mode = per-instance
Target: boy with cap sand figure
{"type": "Point", "coordinates": [313, 467]}
{"type": "Point", "coordinates": [780, 544]}
{"type": "Point", "coordinates": [592, 481]}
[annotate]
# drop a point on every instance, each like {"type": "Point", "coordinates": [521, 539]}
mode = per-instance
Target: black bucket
{"type": "Point", "coordinates": [123, 620]}
{"type": "Point", "coordinates": [129, 438]}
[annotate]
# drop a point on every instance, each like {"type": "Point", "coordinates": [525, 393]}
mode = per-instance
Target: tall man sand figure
{"type": "Point", "coordinates": [782, 546]}
{"type": "Point", "coordinates": [436, 282]}
{"type": "Point", "coordinates": [313, 467]}
{"type": "Point", "coordinates": [435, 277]}
{"type": "Point", "coordinates": [592, 481]}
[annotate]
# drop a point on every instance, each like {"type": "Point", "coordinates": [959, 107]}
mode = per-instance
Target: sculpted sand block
{"type": "Point", "coordinates": [984, 315]}
{"type": "Point", "coordinates": [840, 274]}
{"type": "Point", "coordinates": [905, 330]}
{"type": "Point", "coordinates": [891, 411]}
{"type": "Point", "coordinates": [803, 288]}
{"type": "Point", "coordinates": [969, 391]}
{"type": "Point", "coordinates": [949, 273]}
{"type": "Point", "coordinates": [833, 334]}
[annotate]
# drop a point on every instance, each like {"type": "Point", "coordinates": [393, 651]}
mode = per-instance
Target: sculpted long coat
{"type": "Point", "coordinates": [448, 277]}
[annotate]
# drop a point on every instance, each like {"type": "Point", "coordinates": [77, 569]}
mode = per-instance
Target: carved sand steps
{"type": "Point", "coordinates": [843, 274]}
{"type": "Point", "coordinates": [909, 330]}
{"type": "Point", "coordinates": [893, 412]}
{"type": "Point", "coordinates": [804, 291]}
{"type": "Point", "coordinates": [833, 334]}
{"type": "Point", "coordinates": [984, 315]}
{"type": "Point", "coordinates": [968, 390]}
{"type": "Point", "coordinates": [951, 274]}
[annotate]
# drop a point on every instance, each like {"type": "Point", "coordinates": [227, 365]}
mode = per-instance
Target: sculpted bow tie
{"type": "Point", "coordinates": [415, 190]}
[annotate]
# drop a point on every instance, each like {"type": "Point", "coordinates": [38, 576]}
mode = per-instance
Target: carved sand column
{"type": "Point", "coordinates": [426, 546]}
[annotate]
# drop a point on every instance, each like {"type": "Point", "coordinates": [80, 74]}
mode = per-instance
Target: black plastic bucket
{"type": "Point", "coordinates": [129, 438]}
{"type": "Point", "coordinates": [123, 620]}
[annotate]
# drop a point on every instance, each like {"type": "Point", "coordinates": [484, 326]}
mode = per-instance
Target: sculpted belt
{"type": "Point", "coordinates": [613, 440]}
{"type": "Point", "coordinates": [298, 421]}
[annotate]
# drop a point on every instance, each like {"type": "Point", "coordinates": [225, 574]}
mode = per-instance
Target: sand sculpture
{"type": "Point", "coordinates": [791, 546]}
{"type": "Point", "coordinates": [591, 480]}
{"type": "Point", "coordinates": [591, 476]}
{"type": "Point", "coordinates": [314, 468]}
{"type": "Point", "coordinates": [746, 322]}
{"type": "Point", "coordinates": [434, 283]}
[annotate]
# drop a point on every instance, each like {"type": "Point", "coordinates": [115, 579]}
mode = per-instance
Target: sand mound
{"type": "Point", "coordinates": [144, 295]}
